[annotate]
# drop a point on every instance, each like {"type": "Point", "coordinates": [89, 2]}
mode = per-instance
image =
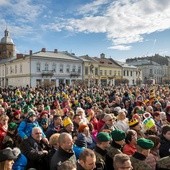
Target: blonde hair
{"type": "Point", "coordinates": [54, 139]}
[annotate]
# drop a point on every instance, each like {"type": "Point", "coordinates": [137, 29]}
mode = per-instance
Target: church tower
{"type": "Point", "coordinates": [7, 47]}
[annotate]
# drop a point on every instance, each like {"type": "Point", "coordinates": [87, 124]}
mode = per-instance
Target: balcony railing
{"type": "Point", "coordinates": [47, 73]}
{"type": "Point", "coordinates": [74, 74]}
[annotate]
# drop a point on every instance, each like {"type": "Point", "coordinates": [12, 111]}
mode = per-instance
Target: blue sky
{"type": "Point", "coordinates": [119, 28]}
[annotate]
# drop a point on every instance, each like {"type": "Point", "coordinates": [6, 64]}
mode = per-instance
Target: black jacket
{"type": "Point", "coordinates": [60, 156]}
{"type": "Point", "coordinates": [33, 150]}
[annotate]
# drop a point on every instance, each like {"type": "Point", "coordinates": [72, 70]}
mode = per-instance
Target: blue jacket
{"type": "Point", "coordinates": [20, 163]}
{"type": "Point", "coordinates": [78, 150]}
{"type": "Point", "coordinates": [25, 128]}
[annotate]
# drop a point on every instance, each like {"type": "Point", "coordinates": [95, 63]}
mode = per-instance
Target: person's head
{"type": "Point", "coordinates": [7, 157]}
{"type": "Point", "coordinates": [122, 162]}
{"type": "Point", "coordinates": [67, 165]}
{"type": "Point", "coordinates": [109, 119]}
{"type": "Point", "coordinates": [4, 120]}
{"type": "Point", "coordinates": [135, 125]}
{"type": "Point", "coordinates": [53, 141]}
{"type": "Point", "coordinates": [87, 159]}
{"type": "Point", "coordinates": [83, 128]}
{"type": "Point", "coordinates": [12, 127]}
{"type": "Point", "coordinates": [166, 132]}
{"type": "Point", "coordinates": [37, 133]}
{"type": "Point", "coordinates": [103, 140]}
{"type": "Point", "coordinates": [65, 141]}
{"type": "Point", "coordinates": [156, 140]}
{"type": "Point", "coordinates": [77, 118]}
{"type": "Point", "coordinates": [31, 116]}
{"type": "Point", "coordinates": [131, 137]}
{"type": "Point", "coordinates": [68, 124]}
{"type": "Point", "coordinates": [144, 146]}
{"type": "Point", "coordinates": [57, 120]}
{"type": "Point", "coordinates": [118, 136]}
{"type": "Point", "coordinates": [121, 115]}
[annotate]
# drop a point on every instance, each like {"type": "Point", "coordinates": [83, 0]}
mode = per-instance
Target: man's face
{"type": "Point", "coordinates": [105, 145]}
{"type": "Point", "coordinates": [58, 121]}
{"type": "Point", "coordinates": [126, 166]}
{"type": "Point", "coordinates": [37, 134]}
{"type": "Point", "coordinates": [68, 143]}
{"type": "Point", "coordinates": [77, 119]}
{"type": "Point", "coordinates": [167, 135]}
{"type": "Point", "coordinates": [89, 163]}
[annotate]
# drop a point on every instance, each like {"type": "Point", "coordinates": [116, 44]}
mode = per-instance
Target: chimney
{"type": "Point", "coordinates": [19, 56]}
{"type": "Point", "coordinates": [102, 55]}
{"type": "Point", "coordinates": [55, 51]}
{"type": "Point", "coordinates": [30, 52]}
{"type": "Point", "coordinates": [43, 50]}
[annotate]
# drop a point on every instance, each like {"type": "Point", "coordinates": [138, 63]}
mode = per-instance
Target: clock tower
{"type": "Point", "coordinates": [7, 47]}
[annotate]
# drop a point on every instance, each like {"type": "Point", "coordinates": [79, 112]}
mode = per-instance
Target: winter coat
{"type": "Point", "coordinates": [20, 163]}
{"type": "Point", "coordinates": [25, 128]}
{"type": "Point", "coordinates": [61, 156]}
{"type": "Point", "coordinates": [164, 149]}
{"type": "Point", "coordinates": [33, 151]}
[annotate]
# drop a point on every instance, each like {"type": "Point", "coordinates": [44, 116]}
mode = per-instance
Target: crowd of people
{"type": "Point", "coordinates": [85, 128]}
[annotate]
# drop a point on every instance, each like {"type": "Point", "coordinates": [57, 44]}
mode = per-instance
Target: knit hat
{"type": "Point", "coordinates": [43, 113]}
{"type": "Point", "coordinates": [17, 112]}
{"type": "Point", "coordinates": [12, 126]}
{"type": "Point", "coordinates": [81, 140]}
{"type": "Point", "coordinates": [103, 137]}
{"type": "Point", "coordinates": [133, 122]}
{"type": "Point", "coordinates": [31, 113]}
{"type": "Point", "coordinates": [7, 154]}
{"type": "Point", "coordinates": [67, 121]}
{"type": "Point", "coordinates": [82, 127]}
{"type": "Point", "coordinates": [145, 143]}
{"type": "Point", "coordinates": [118, 135]}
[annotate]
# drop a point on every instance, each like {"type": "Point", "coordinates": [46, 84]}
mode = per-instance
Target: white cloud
{"type": "Point", "coordinates": [123, 21]}
{"type": "Point", "coordinates": [4, 2]}
{"type": "Point", "coordinates": [120, 47]}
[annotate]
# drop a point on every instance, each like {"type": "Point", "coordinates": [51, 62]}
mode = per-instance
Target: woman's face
{"type": "Point", "coordinates": [4, 121]}
{"type": "Point", "coordinates": [9, 164]}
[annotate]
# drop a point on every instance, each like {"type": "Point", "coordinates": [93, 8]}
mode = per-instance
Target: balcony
{"type": "Point", "coordinates": [74, 74]}
{"type": "Point", "coordinates": [47, 73]}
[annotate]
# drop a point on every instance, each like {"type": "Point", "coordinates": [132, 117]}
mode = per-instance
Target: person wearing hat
{"type": "Point", "coordinates": [102, 143]}
{"type": "Point", "coordinates": [17, 117]}
{"type": "Point", "coordinates": [118, 140]}
{"type": "Point", "coordinates": [143, 149]}
{"type": "Point", "coordinates": [10, 138]}
{"type": "Point", "coordinates": [7, 157]}
{"type": "Point", "coordinates": [26, 126]}
{"type": "Point", "coordinates": [68, 126]}
{"type": "Point", "coordinates": [135, 124]}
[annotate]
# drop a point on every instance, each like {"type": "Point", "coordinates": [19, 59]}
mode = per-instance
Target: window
{"type": "Point", "coordinates": [46, 66]}
{"type": "Point", "coordinates": [15, 69]}
{"type": "Point", "coordinates": [20, 68]}
{"type": "Point", "coordinates": [115, 73]}
{"type": "Point", "coordinates": [131, 73]}
{"type": "Point", "coordinates": [101, 72]}
{"type": "Point", "coordinates": [54, 67]}
{"type": "Point", "coordinates": [110, 72]}
{"type": "Point", "coordinates": [68, 69]}
{"type": "Point", "coordinates": [124, 72]}
{"type": "Point", "coordinates": [79, 69]}
{"type": "Point", "coordinates": [105, 72]}
{"type": "Point", "coordinates": [61, 68]}
{"type": "Point", "coordinates": [11, 69]}
{"type": "Point", "coordinates": [74, 68]}
{"type": "Point", "coordinates": [96, 71]}
{"type": "Point", "coordinates": [38, 67]}
{"type": "Point", "coordinates": [86, 70]}
{"type": "Point", "coordinates": [127, 73]}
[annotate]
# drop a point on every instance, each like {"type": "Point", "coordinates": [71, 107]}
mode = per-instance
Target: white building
{"type": "Point", "coordinates": [48, 68]}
